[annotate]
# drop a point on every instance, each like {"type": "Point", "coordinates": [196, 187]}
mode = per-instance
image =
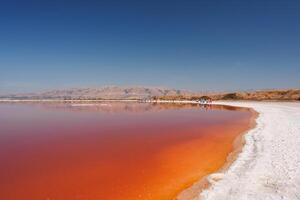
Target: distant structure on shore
{"type": "Point", "coordinates": [205, 100]}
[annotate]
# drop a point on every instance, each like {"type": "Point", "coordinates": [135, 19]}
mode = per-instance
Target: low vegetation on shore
{"type": "Point", "coordinates": [292, 94]}
{"type": "Point", "coordinates": [263, 95]}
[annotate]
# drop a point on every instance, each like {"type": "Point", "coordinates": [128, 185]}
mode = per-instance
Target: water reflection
{"type": "Point", "coordinates": [146, 151]}
{"type": "Point", "coordinates": [133, 107]}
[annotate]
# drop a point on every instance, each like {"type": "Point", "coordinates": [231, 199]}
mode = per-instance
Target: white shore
{"type": "Point", "coordinates": [268, 168]}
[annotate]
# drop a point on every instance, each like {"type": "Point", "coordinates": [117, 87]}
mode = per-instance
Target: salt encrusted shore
{"type": "Point", "coordinates": [268, 168]}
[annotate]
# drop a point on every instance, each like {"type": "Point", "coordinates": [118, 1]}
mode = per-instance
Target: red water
{"type": "Point", "coordinates": [111, 151]}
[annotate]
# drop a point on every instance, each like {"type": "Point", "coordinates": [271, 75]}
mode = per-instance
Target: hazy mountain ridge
{"type": "Point", "coordinates": [155, 93]}
{"type": "Point", "coordinates": [107, 92]}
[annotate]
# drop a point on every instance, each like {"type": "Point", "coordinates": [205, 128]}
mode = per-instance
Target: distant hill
{"type": "Point", "coordinates": [261, 95]}
{"type": "Point", "coordinates": [155, 93]}
{"type": "Point", "coordinates": [107, 92]}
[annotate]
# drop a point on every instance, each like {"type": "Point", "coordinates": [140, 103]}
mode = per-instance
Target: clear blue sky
{"type": "Point", "coordinates": [197, 45]}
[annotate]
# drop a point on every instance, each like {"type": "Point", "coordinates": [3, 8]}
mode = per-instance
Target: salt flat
{"type": "Point", "coordinates": [268, 168]}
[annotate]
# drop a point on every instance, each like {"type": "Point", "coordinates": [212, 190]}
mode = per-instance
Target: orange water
{"type": "Point", "coordinates": [111, 151]}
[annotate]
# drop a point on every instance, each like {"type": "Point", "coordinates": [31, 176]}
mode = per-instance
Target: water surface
{"type": "Point", "coordinates": [112, 151]}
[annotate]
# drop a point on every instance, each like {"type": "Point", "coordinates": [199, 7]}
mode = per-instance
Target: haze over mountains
{"type": "Point", "coordinates": [138, 93]}
{"type": "Point", "coordinates": [107, 92]}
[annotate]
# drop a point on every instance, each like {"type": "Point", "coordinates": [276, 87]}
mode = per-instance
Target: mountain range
{"type": "Point", "coordinates": [117, 93]}
{"type": "Point", "coordinates": [107, 92]}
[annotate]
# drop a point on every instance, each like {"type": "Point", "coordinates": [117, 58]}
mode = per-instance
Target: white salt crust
{"type": "Point", "coordinates": [268, 168]}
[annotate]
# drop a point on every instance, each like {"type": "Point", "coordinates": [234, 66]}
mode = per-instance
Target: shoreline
{"type": "Point", "coordinates": [204, 183]}
{"type": "Point", "coordinates": [268, 166]}
{"type": "Point", "coordinates": [192, 192]}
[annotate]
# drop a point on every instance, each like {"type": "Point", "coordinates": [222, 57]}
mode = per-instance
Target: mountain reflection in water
{"type": "Point", "coordinates": [112, 151]}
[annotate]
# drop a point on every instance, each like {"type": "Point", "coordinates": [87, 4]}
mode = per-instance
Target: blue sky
{"type": "Point", "coordinates": [196, 45]}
